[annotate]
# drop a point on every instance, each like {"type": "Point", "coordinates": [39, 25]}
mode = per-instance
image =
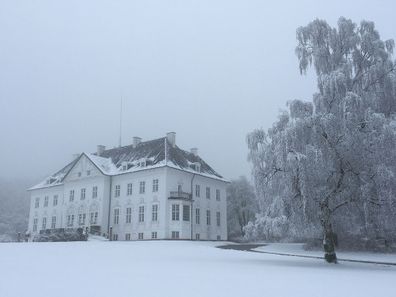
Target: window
{"type": "Point", "coordinates": [46, 199]}
{"type": "Point", "coordinates": [217, 194]}
{"type": "Point", "coordinates": [53, 222]}
{"type": "Point", "coordinates": [140, 235]}
{"type": "Point", "coordinates": [82, 197]}
{"type": "Point", "coordinates": [207, 193]}
{"type": "Point", "coordinates": [71, 196]}
{"type": "Point", "coordinates": [155, 185]}
{"type": "Point", "coordinates": [153, 235]}
{"type": "Point", "coordinates": [94, 192]}
{"type": "Point", "coordinates": [208, 217]}
{"type": "Point", "coordinates": [197, 191]}
{"type": "Point", "coordinates": [197, 216]}
{"type": "Point", "coordinates": [70, 220]}
{"type": "Point", "coordinates": [115, 237]}
{"type": "Point", "coordinates": [218, 237]}
{"type": "Point", "coordinates": [186, 213]}
{"type": "Point", "coordinates": [88, 172]}
{"type": "Point", "coordinates": [141, 213]}
{"type": "Point", "coordinates": [196, 166]}
{"type": "Point", "coordinates": [179, 188]}
{"type": "Point", "coordinates": [81, 218]}
{"type": "Point", "coordinates": [37, 203]}
{"type": "Point", "coordinates": [127, 236]}
{"type": "Point", "coordinates": [128, 215]}
{"type": "Point", "coordinates": [175, 234]}
{"type": "Point", "coordinates": [93, 218]}
{"type": "Point", "coordinates": [79, 174]}
{"type": "Point", "coordinates": [44, 225]}
{"type": "Point", "coordinates": [117, 191]}
{"type": "Point", "coordinates": [197, 236]}
{"type": "Point", "coordinates": [154, 215]}
{"type": "Point", "coordinates": [129, 189]}
{"type": "Point", "coordinates": [142, 188]}
{"type": "Point", "coordinates": [55, 201]}
{"type": "Point", "coordinates": [116, 215]}
{"type": "Point", "coordinates": [218, 218]}
{"type": "Point", "coordinates": [175, 212]}
{"type": "Point", "coordinates": [35, 222]}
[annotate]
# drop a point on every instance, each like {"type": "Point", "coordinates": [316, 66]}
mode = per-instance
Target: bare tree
{"type": "Point", "coordinates": [241, 206]}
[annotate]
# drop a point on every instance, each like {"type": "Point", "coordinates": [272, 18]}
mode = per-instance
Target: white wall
{"type": "Point", "coordinates": [49, 211]}
{"type": "Point", "coordinates": [169, 179]}
{"type": "Point", "coordinates": [176, 177]}
{"type": "Point", "coordinates": [137, 199]}
{"type": "Point", "coordinates": [86, 181]}
{"type": "Point", "coordinates": [73, 182]}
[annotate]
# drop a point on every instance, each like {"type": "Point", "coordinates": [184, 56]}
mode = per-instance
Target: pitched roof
{"type": "Point", "coordinates": [145, 155]}
{"type": "Point", "coordinates": [57, 177]}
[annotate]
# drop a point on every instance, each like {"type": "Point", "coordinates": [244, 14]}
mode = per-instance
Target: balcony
{"type": "Point", "coordinates": [177, 195]}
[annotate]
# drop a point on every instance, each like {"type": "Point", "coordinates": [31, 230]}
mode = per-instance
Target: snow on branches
{"type": "Point", "coordinates": [330, 165]}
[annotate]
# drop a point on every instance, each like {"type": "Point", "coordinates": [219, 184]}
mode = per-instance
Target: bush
{"type": "Point", "coordinates": [57, 235]}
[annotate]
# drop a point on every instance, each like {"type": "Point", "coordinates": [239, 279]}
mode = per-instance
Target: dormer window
{"type": "Point", "coordinates": [142, 163]}
{"type": "Point", "coordinates": [124, 166]}
{"type": "Point", "coordinates": [196, 166]}
{"type": "Point", "coordinates": [51, 180]}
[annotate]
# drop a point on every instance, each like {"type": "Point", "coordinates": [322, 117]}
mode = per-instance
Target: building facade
{"type": "Point", "coordinates": [146, 190]}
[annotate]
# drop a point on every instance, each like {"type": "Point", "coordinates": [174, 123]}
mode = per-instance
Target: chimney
{"type": "Point", "coordinates": [100, 149]}
{"type": "Point", "coordinates": [171, 136]}
{"type": "Point", "coordinates": [136, 141]}
{"type": "Point", "coordinates": [194, 151]}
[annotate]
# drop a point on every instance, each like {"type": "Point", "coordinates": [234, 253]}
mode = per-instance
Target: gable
{"type": "Point", "coordinates": [83, 168]}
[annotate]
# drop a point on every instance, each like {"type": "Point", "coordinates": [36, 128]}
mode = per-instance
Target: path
{"type": "Point", "coordinates": [251, 248]}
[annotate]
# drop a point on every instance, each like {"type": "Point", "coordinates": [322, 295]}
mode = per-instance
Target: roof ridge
{"type": "Point", "coordinates": [130, 145]}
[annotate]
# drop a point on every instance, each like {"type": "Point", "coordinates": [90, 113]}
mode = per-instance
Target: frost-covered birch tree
{"type": "Point", "coordinates": [329, 166]}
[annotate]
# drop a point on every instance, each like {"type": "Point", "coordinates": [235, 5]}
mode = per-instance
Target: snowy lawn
{"type": "Point", "coordinates": [177, 268]}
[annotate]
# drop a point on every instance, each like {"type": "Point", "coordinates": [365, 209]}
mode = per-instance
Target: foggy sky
{"type": "Point", "coordinates": [212, 71]}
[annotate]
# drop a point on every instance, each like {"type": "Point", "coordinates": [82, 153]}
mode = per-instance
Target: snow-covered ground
{"type": "Point", "coordinates": [178, 268]}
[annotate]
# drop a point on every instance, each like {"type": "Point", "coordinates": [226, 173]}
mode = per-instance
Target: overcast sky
{"type": "Point", "coordinates": [212, 71]}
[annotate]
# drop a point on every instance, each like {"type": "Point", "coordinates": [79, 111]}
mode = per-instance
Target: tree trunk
{"type": "Point", "coordinates": [328, 234]}
{"type": "Point", "coordinates": [241, 224]}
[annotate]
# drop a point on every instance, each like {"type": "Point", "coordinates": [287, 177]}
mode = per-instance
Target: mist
{"type": "Point", "coordinates": [212, 71]}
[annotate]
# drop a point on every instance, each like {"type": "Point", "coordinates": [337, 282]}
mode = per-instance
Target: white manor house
{"type": "Point", "coordinates": [146, 190]}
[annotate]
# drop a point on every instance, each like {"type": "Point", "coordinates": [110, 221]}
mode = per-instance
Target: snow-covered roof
{"type": "Point", "coordinates": [56, 178]}
{"type": "Point", "coordinates": [105, 165]}
{"type": "Point", "coordinates": [145, 155]}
